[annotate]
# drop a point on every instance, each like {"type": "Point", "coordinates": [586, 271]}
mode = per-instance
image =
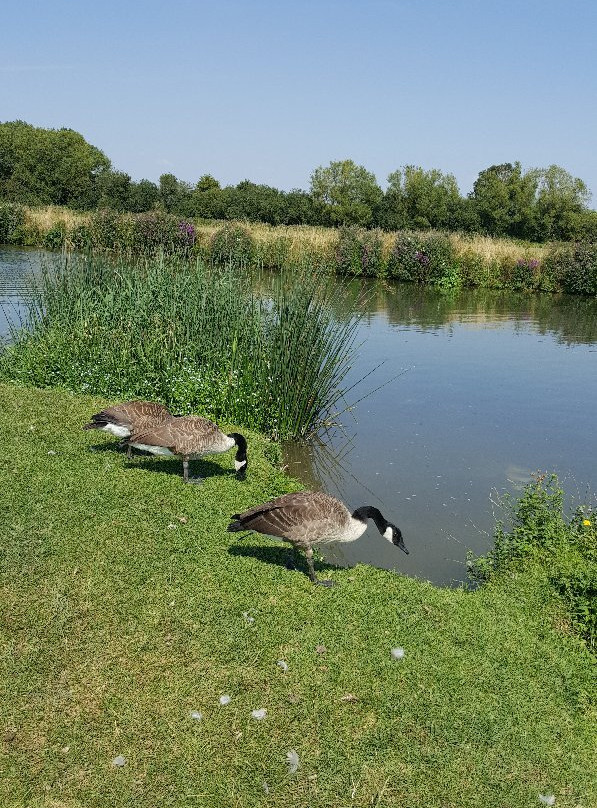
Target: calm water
{"type": "Point", "coordinates": [494, 387]}
{"type": "Point", "coordinates": [15, 266]}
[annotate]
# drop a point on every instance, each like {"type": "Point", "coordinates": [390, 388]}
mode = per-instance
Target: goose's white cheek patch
{"type": "Point", "coordinates": [239, 464]}
{"type": "Point", "coordinates": [388, 534]}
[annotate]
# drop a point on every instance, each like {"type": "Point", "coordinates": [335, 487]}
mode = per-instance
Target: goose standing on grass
{"type": "Point", "coordinates": [122, 419]}
{"type": "Point", "coordinates": [190, 436]}
{"type": "Point", "coordinates": [309, 518]}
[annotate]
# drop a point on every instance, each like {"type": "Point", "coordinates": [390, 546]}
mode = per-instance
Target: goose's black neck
{"type": "Point", "coordinates": [369, 512]}
{"type": "Point", "coordinates": [241, 444]}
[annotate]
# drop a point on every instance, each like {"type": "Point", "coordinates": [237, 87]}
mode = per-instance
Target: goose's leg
{"type": "Point", "coordinates": [312, 577]}
{"type": "Point", "coordinates": [129, 452]}
{"type": "Point", "coordinates": [185, 472]}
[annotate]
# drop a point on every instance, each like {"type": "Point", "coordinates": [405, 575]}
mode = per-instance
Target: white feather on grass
{"type": "Point", "coordinates": [260, 714]}
{"type": "Point", "coordinates": [547, 799]}
{"type": "Point", "coordinates": [224, 700]}
{"type": "Point", "coordinates": [292, 761]}
{"type": "Point", "coordinates": [398, 653]}
{"type": "Point", "coordinates": [196, 715]}
{"type": "Point", "coordinates": [119, 761]}
{"type": "Point", "coordinates": [282, 664]}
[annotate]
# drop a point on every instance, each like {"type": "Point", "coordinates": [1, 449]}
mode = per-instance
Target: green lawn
{"type": "Point", "coordinates": [122, 600]}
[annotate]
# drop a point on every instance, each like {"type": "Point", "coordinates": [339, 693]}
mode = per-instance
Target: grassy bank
{"type": "Point", "coordinates": [122, 610]}
{"type": "Point", "coordinates": [447, 260]}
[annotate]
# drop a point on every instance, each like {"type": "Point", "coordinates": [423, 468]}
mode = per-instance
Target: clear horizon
{"type": "Point", "coordinates": [270, 91]}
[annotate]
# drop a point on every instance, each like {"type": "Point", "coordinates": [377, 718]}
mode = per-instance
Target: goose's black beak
{"type": "Point", "coordinates": [399, 542]}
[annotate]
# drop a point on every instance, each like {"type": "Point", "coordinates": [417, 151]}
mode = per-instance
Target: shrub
{"type": "Point", "coordinates": [55, 237]}
{"type": "Point", "coordinates": [273, 253]}
{"type": "Point", "coordinates": [405, 257]}
{"type": "Point", "coordinates": [12, 223]}
{"type": "Point", "coordinates": [422, 258]}
{"type": "Point", "coordinates": [103, 230]}
{"type": "Point", "coordinates": [473, 269]}
{"type": "Point", "coordinates": [451, 281]}
{"type": "Point", "coordinates": [575, 267]}
{"type": "Point", "coordinates": [359, 252]}
{"type": "Point", "coordinates": [80, 237]}
{"type": "Point", "coordinates": [440, 252]}
{"type": "Point", "coordinates": [232, 244]}
{"type": "Point", "coordinates": [524, 274]}
{"type": "Point", "coordinates": [565, 549]}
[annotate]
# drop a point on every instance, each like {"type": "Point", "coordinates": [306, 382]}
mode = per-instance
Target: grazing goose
{"type": "Point", "coordinates": [307, 518]}
{"type": "Point", "coordinates": [122, 419]}
{"type": "Point", "coordinates": [190, 436]}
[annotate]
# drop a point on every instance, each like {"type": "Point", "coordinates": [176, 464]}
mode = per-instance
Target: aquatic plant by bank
{"type": "Point", "coordinates": [565, 549]}
{"type": "Point", "coordinates": [196, 338]}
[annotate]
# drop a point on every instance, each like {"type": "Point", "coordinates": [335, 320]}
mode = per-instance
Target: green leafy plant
{"type": "Point", "coordinates": [12, 220]}
{"type": "Point", "coordinates": [359, 252]}
{"type": "Point", "coordinates": [565, 548]}
{"type": "Point", "coordinates": [232, 244]}
{"type": "Point", "coordinates": [575, 267]}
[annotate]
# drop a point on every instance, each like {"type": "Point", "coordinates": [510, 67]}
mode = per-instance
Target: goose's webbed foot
{"type": "Point", "coordinates": [312, 577]}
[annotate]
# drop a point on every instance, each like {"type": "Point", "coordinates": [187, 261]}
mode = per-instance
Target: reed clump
{"type": "Point", "coordinates": [197, 338]}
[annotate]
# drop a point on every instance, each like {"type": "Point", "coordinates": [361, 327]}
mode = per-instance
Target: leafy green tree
{"type": "Point", "coordinates": [301, 208]}
{"type": "Point", "coordinates": [561, 206]}
{"type": "Point", "coordinates": [421, 199]}
{"type": "Point", "coordinates": [143, 195]}
{"type": "Point", "coordinates": [114, 189]}
{"type": "Point", "coordinates": [48, 166]}
{"type": "Point", "coordinates": [504, 200]}
{"type": "Point", "coordinates": [349, 191]}
{"type": "Point", "coordinates": [207, 183]}
{"type": "Point", "coordinates": [175, 196]}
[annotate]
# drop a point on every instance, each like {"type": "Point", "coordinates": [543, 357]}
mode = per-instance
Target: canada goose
{"type": "Point", "coordinates": [307, 518]}
{"type": "Point", "coordinates": [189, 436]}
{"type": "Point", "coordinates": [122, 419]}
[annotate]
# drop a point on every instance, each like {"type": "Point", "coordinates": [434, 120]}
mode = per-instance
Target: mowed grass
{"type": "Point", "coordinates": [122, 600]}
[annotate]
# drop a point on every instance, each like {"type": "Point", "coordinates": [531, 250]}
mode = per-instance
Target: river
{"type": "Point", "coordinates": [477, 391]}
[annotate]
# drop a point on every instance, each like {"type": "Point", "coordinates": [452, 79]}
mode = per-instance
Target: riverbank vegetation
{"type": "Point", "coordinates": [40, 167]}
{"type": "Point", "coordinates": [446, 260]}
{"type": "Point", "coordinates": [197, 338]}
{"type": "Point", "coordinates": [127, 612]}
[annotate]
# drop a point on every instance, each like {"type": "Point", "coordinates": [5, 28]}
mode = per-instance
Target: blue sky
{"type": "Point", "coordinates": [270, 90]}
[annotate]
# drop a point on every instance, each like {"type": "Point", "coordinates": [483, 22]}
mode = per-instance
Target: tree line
{"type": "Point", "coordinates": [59, 167]}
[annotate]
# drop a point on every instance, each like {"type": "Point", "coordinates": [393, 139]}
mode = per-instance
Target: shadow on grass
{"type": "Point", "coordinates": [280, 556]}
{"type": "Point", "coordinates": [166, 465]}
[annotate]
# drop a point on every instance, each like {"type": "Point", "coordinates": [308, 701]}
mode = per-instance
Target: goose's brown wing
{"type": "Point", "coordinates": [297, 517]}
{"type": "Point", "coordinates": [186, 435]}
{"type": "Point", "coordinates": [130, 412]}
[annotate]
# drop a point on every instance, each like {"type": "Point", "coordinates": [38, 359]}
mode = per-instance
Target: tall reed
{"type": "Point", "coordinates": [197, 338]}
